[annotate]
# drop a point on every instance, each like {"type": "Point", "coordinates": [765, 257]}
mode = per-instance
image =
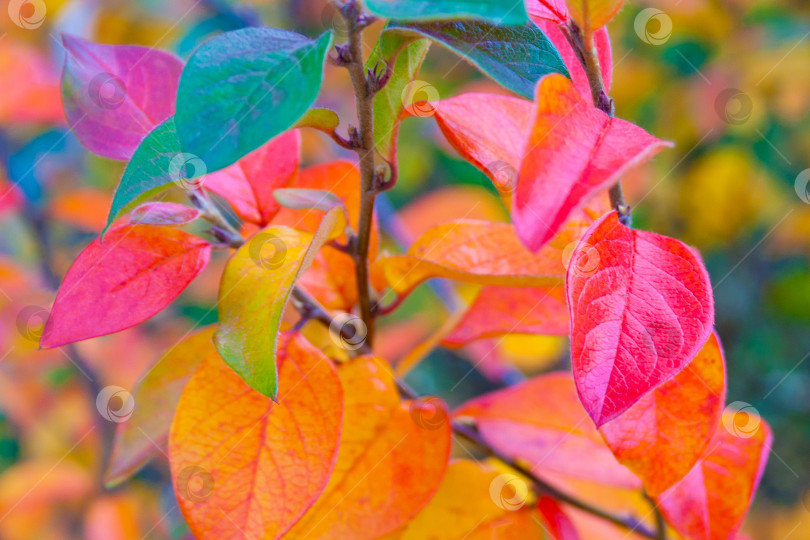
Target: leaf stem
{"type": "Point", "coordinates": [586, 53]}
{"type": "Point", "coordinates": [364, 98]}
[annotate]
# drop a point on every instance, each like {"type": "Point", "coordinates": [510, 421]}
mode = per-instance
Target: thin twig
{"type": "Point", "coordinates": [364, 98]}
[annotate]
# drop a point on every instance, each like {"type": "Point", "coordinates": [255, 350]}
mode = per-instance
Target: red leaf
{"type": "Point", "coordinates": [639, 314]}
{"type": "Point", "coordinates": [557, 523]}
{"type": "Point", "coordinates": [662, 436]}
{"type": "Point", "coordinates": [573, 152]}
{"type": "Point", "coordinates": [542, 421]}
{"type": "Point", "coordinates": [248, 184]}
{"type": "Point", "coordinates": [601, 42]}
{"type": "Point", "coordinates": [710, 503]}
{"type": "Point", "coordinates": [551, 10]}
{"type": "Point", "coordinates": [134, 273]}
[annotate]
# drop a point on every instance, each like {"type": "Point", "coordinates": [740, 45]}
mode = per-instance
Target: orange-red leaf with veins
{"type": "Point", "coordinates": [662, 436]}
{"type": "Point", "coordinates": [119, 282]}
{"type": "Point", "coordinates": [542, 422]}
{"type": "Point", "coordinates": [244, 466]}
{"type": "Point", "coordinates": [711, 501]}
{"type": "Point", "coordinates": [638, 316]}
{"type": "Point", "coordinates": [573, 152]}
{"type": "Point", "coordinates": [248, 184]}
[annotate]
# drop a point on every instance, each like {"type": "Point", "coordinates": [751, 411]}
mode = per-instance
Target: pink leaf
{"type": "Point", "coordinates": [550, 10]}
{"type": "Point", "coordinates": [134, 273]}
{"type": "Point", "coordinates": [248, 184]}
{"type": "Point", "coordinates": [639, 314]}
{"type": "Point", "coordinates": [573, 152]}
{"type": "Point", "coordinates": [114, 95]}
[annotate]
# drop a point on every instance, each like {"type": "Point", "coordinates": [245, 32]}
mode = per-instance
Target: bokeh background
{"type": "Point", "coordinates": [728, 81]}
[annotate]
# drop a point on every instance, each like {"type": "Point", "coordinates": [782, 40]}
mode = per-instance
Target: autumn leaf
{"type": "Point", "coordinates": [471, 251]}
{"type": "Point", "coordinates": [639, 313]}
{"type": "Point", "coordinates": [156, 395]}
{"type": "Point", "coordinates": [711, 501]}
{"type": "Point", "coordinates": [496, 11]}
{"type": "Point", "coordinates": [248, 184]}
{"type": "Point", "coordinates": [163, 213]}
{"type": "Point", "coordinates": [542, 422]}
{"type": "Point", "coordinates": [475, 500]}
{"type": "Point", "coordinates": [115, 95]}
{"type": "Point", "coordinates": [663, 435]}
{"type": "Point", "coordinates": [498, 311]}
{"type": "Point", "coordinates": [244, 466]}
{"type": "Point", "coordinates": [135, 272]}
{"type": "Point", "coordinates": [555, 11]}
{"type": "Point", "coordinates": [556, 521]}
{"type": "Point", "coordinates": [253, 294]}
{"type": "Point", "coordinates": [590, 15]}
{"type": "Point", "coordinates": [392, 459]}
{"type": "Point", "coordinates": [573, 152]}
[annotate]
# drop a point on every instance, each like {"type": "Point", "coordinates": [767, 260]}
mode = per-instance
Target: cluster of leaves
{"type": "Point", "coordinates": [272, 432]}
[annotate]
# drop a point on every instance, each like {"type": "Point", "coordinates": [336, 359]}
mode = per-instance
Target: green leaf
{"type": "Point", "coordinates": [514, 56]}
{"type": "Point", "coordinates": [242, 88]}
{"type": "Point", "coordinates": [409, 53]}
{"type": "Point", "coordinates": [497, 11]}
{"type": "Point", "coordinates": [253, 292]}
{"type": "Point", "coordinates": [153, 166]}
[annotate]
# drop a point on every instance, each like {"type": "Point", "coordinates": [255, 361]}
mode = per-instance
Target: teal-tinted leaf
{"type": "Point", "coordinates": [243, 88]}
{"type": "Point", "coordinates": [149, 169]}
{"type": "Point", "coordinates": [407, 52]}
{"type": "Point", "coordinates": [514, 56]}
{"type": "Point", "coordinates": [497, 11]}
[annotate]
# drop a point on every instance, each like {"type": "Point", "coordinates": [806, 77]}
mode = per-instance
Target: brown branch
{"type": "Point", "coordinates": [364, 97]}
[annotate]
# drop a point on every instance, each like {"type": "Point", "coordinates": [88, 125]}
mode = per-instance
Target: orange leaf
{"type": "Point", "coordinates": [475, 500]}
{"type": "Point", "coordinates": [392, 459]}
{"type": "Point", "coordinates": [711, 501]}
{"type": "Point", "coordinates": [542, 422]}
{"type": "Point", "coordinates": [590, 15]}
{"type": "Point", "coordinates": [475, 252]}
{"type": "Point", "coordinates": [662, 436]}
{"type": "Point", "coordinates": [156, 395]}
{"type": "Point", "coordinates": [247, 467]}
{"type": "Point", "coordinates": [512, 310]}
